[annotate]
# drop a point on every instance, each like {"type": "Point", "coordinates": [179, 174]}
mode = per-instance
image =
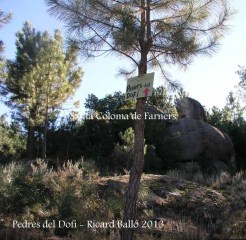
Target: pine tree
{"type": "Point", "coordinates": [233, 111]}
{"type": "Point", "coordinates": [4, 19]}
{"type": "Point", "coordinates": [149, 33]}
{"type": "Point", "coordinates": [41, 78]}
{"type": "Point", "coordinates": [242, 85]}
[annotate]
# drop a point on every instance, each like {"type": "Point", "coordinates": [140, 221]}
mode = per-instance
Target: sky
{"type": "Point", "coordinates": [208, 79]}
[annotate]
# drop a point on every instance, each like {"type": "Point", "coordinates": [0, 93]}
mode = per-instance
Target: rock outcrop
{"type": "Point", "coordinates": [198, 140]}
{"type": "Point", "coordinates": [201, 140]}
{"type": "Point", "coordinates": [190, 108]}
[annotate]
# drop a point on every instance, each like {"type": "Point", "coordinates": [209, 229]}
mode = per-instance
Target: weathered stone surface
{"type": "Point", "coordinates": [199, 139]}
{"type": "Point", "coordinates": [190, 108]}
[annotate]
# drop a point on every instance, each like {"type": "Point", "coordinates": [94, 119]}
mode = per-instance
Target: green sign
{"type": "Point", "coordinates": [140, 87]}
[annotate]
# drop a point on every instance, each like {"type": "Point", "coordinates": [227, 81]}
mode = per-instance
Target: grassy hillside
{"type": "Point", "coordinates": [40, 203]}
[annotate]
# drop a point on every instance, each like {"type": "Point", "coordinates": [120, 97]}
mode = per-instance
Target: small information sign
{"type": "Point", "coordinates": [140, 87]}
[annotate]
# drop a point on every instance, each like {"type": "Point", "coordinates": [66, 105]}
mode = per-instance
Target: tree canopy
{"type": "Point", "coordinates": [4, 19]}
{"type": "Point", "coordinates": [42, 76]}
{"type": "Point", "coordinates": [169, 32]}
{"type": "Point", "coordinates": [242, 84]}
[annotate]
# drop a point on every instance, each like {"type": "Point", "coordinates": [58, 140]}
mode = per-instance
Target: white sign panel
{"type": "Point", "coordinates": [140, 87]}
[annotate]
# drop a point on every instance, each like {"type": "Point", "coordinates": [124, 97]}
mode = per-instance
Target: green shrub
{"type": "Point", "coordinates": [12, 143]}
{"type": "Point", "coordinates": [21, 190]}
{"type": "Point", "coordinates": [36, 193]}
{"type": "Point", "coordinates": [123, 153]}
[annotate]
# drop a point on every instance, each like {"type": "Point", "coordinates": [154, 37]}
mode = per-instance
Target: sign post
{"type": "Point", "coordinates": [140, 87]}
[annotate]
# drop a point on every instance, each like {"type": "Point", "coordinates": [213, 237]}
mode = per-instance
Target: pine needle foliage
{"type": "Point", "coordinates": [173, 32]}
{"type": "Point", "coordinates": [42, 77]}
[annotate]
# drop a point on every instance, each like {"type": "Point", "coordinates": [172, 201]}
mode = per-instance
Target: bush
{"type": "Point", "coordinates": [12, 143]}
{"type": "Point", "coordinates": [123, 154]}
{"type": "Point", "coordinates": [39, 194]}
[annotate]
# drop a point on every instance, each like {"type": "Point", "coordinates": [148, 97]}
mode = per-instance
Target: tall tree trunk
{"type": "Point", "coordinates": [30, 142]}
{"type": "Point", "coordinates": [135, 173]}
{"type": "Point", "coordinates": [138, 163]}
{"type": "Point", "coordinates": [30, 133]}
{"type": "Point", "coordinates": [130, 209]}
{"type": "Point", "coordinates": [44, 145]}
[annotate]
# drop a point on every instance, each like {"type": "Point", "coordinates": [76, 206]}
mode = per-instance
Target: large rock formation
{"type": "Point", "coordinates": [190, 108]}
{"type": "Point", "coordinates": [198, 139]}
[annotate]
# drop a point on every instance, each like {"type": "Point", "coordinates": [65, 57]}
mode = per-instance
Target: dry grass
{"type": "Point", "coordinates": [187, 206]}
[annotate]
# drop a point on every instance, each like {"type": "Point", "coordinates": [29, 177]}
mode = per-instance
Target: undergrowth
{"type": "Point", "coordinates": [35, 193]}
